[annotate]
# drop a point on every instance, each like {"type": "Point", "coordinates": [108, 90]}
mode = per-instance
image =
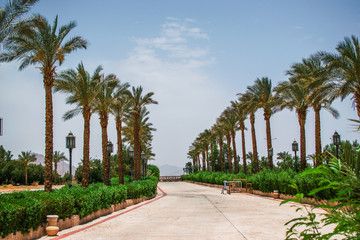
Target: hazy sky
{"type": "Point", "coordinates": [194, 55]}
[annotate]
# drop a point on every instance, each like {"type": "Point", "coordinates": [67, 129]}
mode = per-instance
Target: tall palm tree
{"type": "Point", "coordinates": [38, 43]}
{"type": "Point", "coordinates": [119, 109]}
{"type": "Point", "coordinates": [318, 79]}
{"type": "Point", "coordinates": [347, 64]}
{"type": "Point", "coordinates": [205, 138]}
{"type": "Point", "coordinates": [26, 158]}
{"type": "Point", "coordinates": [102, 105]}
{"type": "Point", "coordinates": [241, 115]}
{"type": "Point", "coordinates": [295, 95]}
{"type": "Point", "coordinates": [264, 98]}
{"type": "Point", "coordinates": [249, 104]}
{"type": "Point", "coordinates": [219, 132]}
{"type": "Point", "coordinates": [10, 16]}
{"type": "Point", "coordinates": [137, 101]}
{"type": "Point", "coordinates": [82, 90]}
{"type": "Point", "coordinates": [58, 157]}
{"type": "Point", "coordinates": [230, 123]}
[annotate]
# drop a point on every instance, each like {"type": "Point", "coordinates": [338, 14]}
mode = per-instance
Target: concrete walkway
{"type": "Point", "coordinates": [190, 211]}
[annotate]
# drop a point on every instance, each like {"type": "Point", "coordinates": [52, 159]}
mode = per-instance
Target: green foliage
{"type": "Point", "coordinates": [21, 211]}
{"type": "Point", "coordinates": [154, 171]}
{"type": "Point", "coordinates": [266, 180]}
{"type": "Point", "coordinates": [95, 172]}
{"type": "Point", "coordinates": [341, 182]}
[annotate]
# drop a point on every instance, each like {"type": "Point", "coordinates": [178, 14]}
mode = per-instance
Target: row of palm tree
{"type": "Point", "coordinates": [314, 83]}
{"type": "Point", "coordinates": [36, 42]}
{"type": "Point", "coordinates": [105, 94]}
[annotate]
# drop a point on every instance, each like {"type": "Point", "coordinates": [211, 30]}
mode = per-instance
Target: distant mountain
{"type": "Point", "coordinates": [170, 170]}
{"type": "Point", "coordinates": [62, 168]}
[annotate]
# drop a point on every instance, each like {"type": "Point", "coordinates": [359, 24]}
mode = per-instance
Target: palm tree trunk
{"type": "Point", "coordinates": [120, 150]}
{"type": "Point", "coordinates": [55, 170]}
{"type": "Point", "coordinates": [242, 128]}
{"type": "Point", "coordinates": [203, 160]}
{"type": "Point", "coordinates": [302, 119]}
{"type": "Point", "coordinates": [137, 153]}
{"type": "Point", "coordinates": [228, 140]}
{"type": "Point", "coordinates": [26, 177]}
{"type": "Point", "coordinates": [253, 136]}
{"type": "Point", "coordinates": [234, 150]}
{"type": "Point", "coordinates": [221, 155]}
{"type": "Point", "coordinates": [86, 150]}
{"type": "Point", "coordinates": [104, 122]}
{"type": "Point", "coordinates": [48, 132]}
{"type": "Point", "coordinates": [198, 161]}
{"type": "Point", "coordinates": [267, 116]}
{"type": "Point", "coordinates": [317, 136]}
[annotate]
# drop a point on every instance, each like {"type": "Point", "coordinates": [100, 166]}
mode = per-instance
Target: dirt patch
{"type": "Point", "coordinates": [10, 188]}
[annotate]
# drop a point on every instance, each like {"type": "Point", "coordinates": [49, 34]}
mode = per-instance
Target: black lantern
{"type": "Point", "coordinates": [336, 142]}
{"type": "Point", "coordinates": [336, 138]}
{"type": "Point", "coordinates": [70, 144]}
{"type": "Point", "coordinates": [131, 157]}
{"type": "Point", "coordinates": [109, 149]}
{"type": "Point", "coordinates": [271, 152]}
{"type": "Point", "coordinates": [295, 148]}
{"type": "Point", "coordinates": [70, 141]}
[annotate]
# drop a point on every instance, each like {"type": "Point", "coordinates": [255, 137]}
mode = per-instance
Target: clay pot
{"type": "Point", "coordinates": [52, 229]}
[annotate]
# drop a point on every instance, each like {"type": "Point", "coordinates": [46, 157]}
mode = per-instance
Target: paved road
{"type": "Point", "coordinates": [190, 211]}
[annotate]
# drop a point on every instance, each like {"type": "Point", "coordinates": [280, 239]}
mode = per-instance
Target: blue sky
{"type": "Point", "coordinates": [195, 55]}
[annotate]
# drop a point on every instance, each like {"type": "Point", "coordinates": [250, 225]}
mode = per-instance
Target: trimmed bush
{"type": "Point", "coordinates": [266, 180]}
{"type": "Point", "coordinates": [21, 211]}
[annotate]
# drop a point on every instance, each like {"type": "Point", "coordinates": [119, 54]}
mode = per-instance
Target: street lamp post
{"type": "Point", "coordinates": [225, 160]}
{"type": "Point", "coordinates": [131, 157]}
{"type": "Point", "coordinates": [336, 142]}
{"type": "Point", "coordinates": [143, 157]}
{"type": "Point", "coordinates": [295, 148]}
{"type": "Point", "coordinates": [70, 144]}
{"type": "Point", "coordinates": [109, 149]}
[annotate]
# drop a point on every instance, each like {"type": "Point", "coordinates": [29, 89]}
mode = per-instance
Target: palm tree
{"type": "Point", "coordinates": [264, 98]}
{"type": "Point", "coordinates": [37, 42]}
{"type": "Point", "coordinates": [295, 95]}
{"type": "Point", "coordinates": [249, 105]}
{"type": "Point", "coordinates": [241, 117]}
{"type": "Point", "coordinates": [205, 138]}
{"type": "Point", "coordinates": [230, 123]}
{"type": "Point", "coordinates": [317, 77]}
{"type": "Point", "coordinates": [219, 132]}
{"type": "Point", "coordinates": [10, 15]}
{"type": "Point", "coordinates": [82, 90]}
{"type": "Point", "coordinates": [26, 158]}
{"type": "Point", "coordinates": [58, 157]}
{"type": "Point", "coordinates": [346, 62]}
{"type": "Point", "coordinates": [119, 108]}
{"type": "Point", "coordinates": [102, 105]}
{"type": "Point", "coordinates": [137, 101]}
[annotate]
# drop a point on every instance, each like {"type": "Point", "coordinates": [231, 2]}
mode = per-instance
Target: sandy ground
{"type": "Point", "coordinates": [189, 211]}
{"type": "Point", "coordinates": [10, 188]}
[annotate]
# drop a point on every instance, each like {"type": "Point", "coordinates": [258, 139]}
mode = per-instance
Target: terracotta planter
{"type": "Point", "coordinates": [52, 229]}
{"type": "Point", "coordinates": [276, 194]}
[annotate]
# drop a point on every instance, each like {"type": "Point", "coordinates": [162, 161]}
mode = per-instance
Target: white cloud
{"type": "Point", "coordinates": [172, 66]}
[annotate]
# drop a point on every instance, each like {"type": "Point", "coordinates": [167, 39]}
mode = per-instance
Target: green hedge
{"type": "Point", "coordinates": [266, 180]}
{"type": "Point", "coordinates": [21, 211]}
